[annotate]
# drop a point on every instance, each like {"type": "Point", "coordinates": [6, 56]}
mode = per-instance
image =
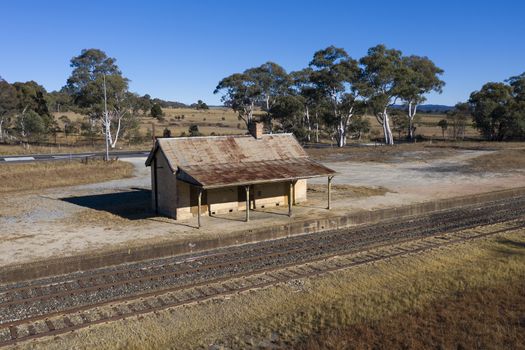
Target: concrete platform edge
{"type": "Point", "coordinates": [62, 265]}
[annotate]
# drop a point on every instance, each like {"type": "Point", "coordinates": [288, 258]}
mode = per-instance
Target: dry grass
{"type": "Point", "coordinates": [219, 121]}
{"type": "Point", "coordinates": [501, 160]}
{"type": "Point", "coordinates": [381, 153]}
{"type": "Point", "coordinates": [37, 176]}
{"type": "Point", "coordinates": [507, 153]}
{"type": "Point", "coordinates": [7, 150]}
{"type": "Point", "coordinates": [475, 319]}
{"type": "Point", "coordinates": [290, 312]}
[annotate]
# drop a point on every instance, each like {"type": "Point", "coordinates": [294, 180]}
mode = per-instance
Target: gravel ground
{"type": "Point", "coordinates": [71, 220]}
{"type": "Point", "coordinates": [232, 260]}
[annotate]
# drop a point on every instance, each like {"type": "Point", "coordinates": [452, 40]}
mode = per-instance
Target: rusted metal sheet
{"type": "Point", "coordinates": [234, 174]}
{"type": "Point", "coordinates": [185, 151]}
{"type": "Point", "coordinates": [219, 161]}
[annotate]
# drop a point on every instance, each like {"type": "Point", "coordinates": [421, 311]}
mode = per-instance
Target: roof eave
{"type": "Point", "coordinates": [246, 183]}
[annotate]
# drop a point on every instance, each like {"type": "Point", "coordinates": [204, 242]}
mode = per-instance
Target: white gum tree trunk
{"type": "Point", "coordinates": [389, 139]}
{"type": "Point", "coordinates": [384, 121]}
{"type": "Point", "coordinates": [113, 136]}
{"type": "Point", "coordinates": [308, 124]}
{"type": "Point", "coordinates": [340, 134]}
{"type": "Point", "coordinates": [412, 109]}
{"type": "Point", "coordinates": [270, 121]}
{"type": "Point", "coordinates": [247, 114]}
{"type": "Point", "coordinates": [342, 128]}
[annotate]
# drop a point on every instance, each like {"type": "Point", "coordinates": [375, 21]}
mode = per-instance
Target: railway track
{"type": "Point", "coordinates": [65, 303]}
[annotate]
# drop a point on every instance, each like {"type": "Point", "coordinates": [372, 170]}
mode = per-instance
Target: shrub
{"type": "Point", "coordinates": [156, 112]}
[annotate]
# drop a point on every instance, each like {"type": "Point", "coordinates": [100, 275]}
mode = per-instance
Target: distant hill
{"type": "Point", "coordinates": [429, 108]}
{"type": "Point", "coordinates": [172, 104]}
{"type": "Point", "coordinates": [435, 108]}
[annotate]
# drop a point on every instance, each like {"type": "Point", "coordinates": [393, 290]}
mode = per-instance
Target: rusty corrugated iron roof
{"type": "Point", "coordinates": [235, 174]}
{"type": "Point", "coordinates": [218, 161]}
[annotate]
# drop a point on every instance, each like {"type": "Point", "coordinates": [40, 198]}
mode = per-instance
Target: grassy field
{"type": "Point", "coordinates": [508, 159]}
{"type": "Point", "coordinates": [480, 318]}
{"type": "Point", "coordinates": [37, 176]}
{"type": "Point", "coordinates": [215, 121]}
{"type": "Point", "coordinates": [385, 293]}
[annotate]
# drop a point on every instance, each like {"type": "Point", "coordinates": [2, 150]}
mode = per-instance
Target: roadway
{"type": "Point", "coordinates": [64, 156]}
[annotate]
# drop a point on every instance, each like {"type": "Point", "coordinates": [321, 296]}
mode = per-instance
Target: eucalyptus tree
{"type": "Point", "coordinates": [458, 118]}
{"type": "Point", "coordinates": [381, 84]}
{"type": "Point", "coordinates": [32, 114]}
{"type": "Point", "coordinates": [32, 96]}
{"type": "Point", "coordinates": [518, 86]}
{"type": "Point", "coordinates": [491, 109]}
{"type": "Point", "coordinates": [100, 90]}
{"type": "Point", "coordinates": [443, 124]}
{"type": "Point", "coordinates": [334, 74]}
{"type": "Point", "coordinates": [240, 92]}
{"type": "Point", "coordinates": [289, 110]}
{"type": "Point", "coordinates": [272, 82]}
{"type": "Point", "coordinates": [518, 105]}
{"type": "Point", "coordinates": [8, 104]}
{"type": "Point", "coordinates": [302, 85]}
{"type": "Point", "coordinates": [420, 77]}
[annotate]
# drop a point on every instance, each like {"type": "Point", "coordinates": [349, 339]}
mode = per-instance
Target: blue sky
{"type": "Point", "coordinates": [179, 50]}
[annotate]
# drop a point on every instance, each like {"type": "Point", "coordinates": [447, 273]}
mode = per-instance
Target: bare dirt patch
{"type": "Point", "coordinates": [42, 175]}
{"type": "Point", "coordinates": [320, 192]}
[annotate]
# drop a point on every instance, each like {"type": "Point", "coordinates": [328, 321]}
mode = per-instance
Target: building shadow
{"type": "Point", "coordinates": [132, 205]}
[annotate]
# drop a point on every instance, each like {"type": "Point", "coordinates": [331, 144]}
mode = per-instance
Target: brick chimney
{"type": "Point", "coordinates": [256, 130]}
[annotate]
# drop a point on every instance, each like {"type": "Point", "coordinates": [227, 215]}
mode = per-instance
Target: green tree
{"type": "Point", "coordinates": [381, 84]}
{"type": "Point", "coordinates": [458, 118]}
{"type": "Point", "coordinates": [517, 108]}
{"type": "Point", "coordinates": [240, 92]}
{"type": "Point", "coordinates": [145, 103]}
{"type": "Point", "coordinates": [31, 125]}
{"type": "Point", "coordinates": [194, 130]}
{"type": "Point", "coordinates": [400, 123]}
{"type": "Point", "coordinates": [359, 126]}
{"type": "Point", "coordinates": [288, 110]}
{"type": "Point", "coordinates": [420, 76]}
{"type": "Point", "coordinates": [8, 105]}
{"type": "Point", "coordinates": [200, 105]}
{"type": "Point", "coordinates": [33, 119]}
{"type": "Point", "coordinates": [59, 101]}
{"type": "Point", "coordinates": [259, 86]}
{"type": "Point", "coordinates": [93, 73]}
{"type": "Point", "coordinates": [334, 74]}
{"type": "Point", "coordinates": [443, 124]}
{"type": "Point", "coordinates": [302, 85]}
{"type": "Point", "coordinates": [166, 132]}
{"type": "Point", "coordinates": [156, 112]}
{"type": "Point", "coordinates": [491, 111]}
{"type": "Point", "coordinates": [273, 82]}
{"type": "Point", "coordinates": [31, 96]}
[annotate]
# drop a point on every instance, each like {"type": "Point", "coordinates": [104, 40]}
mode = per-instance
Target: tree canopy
{"type": "Point", "coordinates": [491, 111]}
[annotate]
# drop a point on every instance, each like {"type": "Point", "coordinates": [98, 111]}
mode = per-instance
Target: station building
{"type": "Point", "coordinates": [194, 176]}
